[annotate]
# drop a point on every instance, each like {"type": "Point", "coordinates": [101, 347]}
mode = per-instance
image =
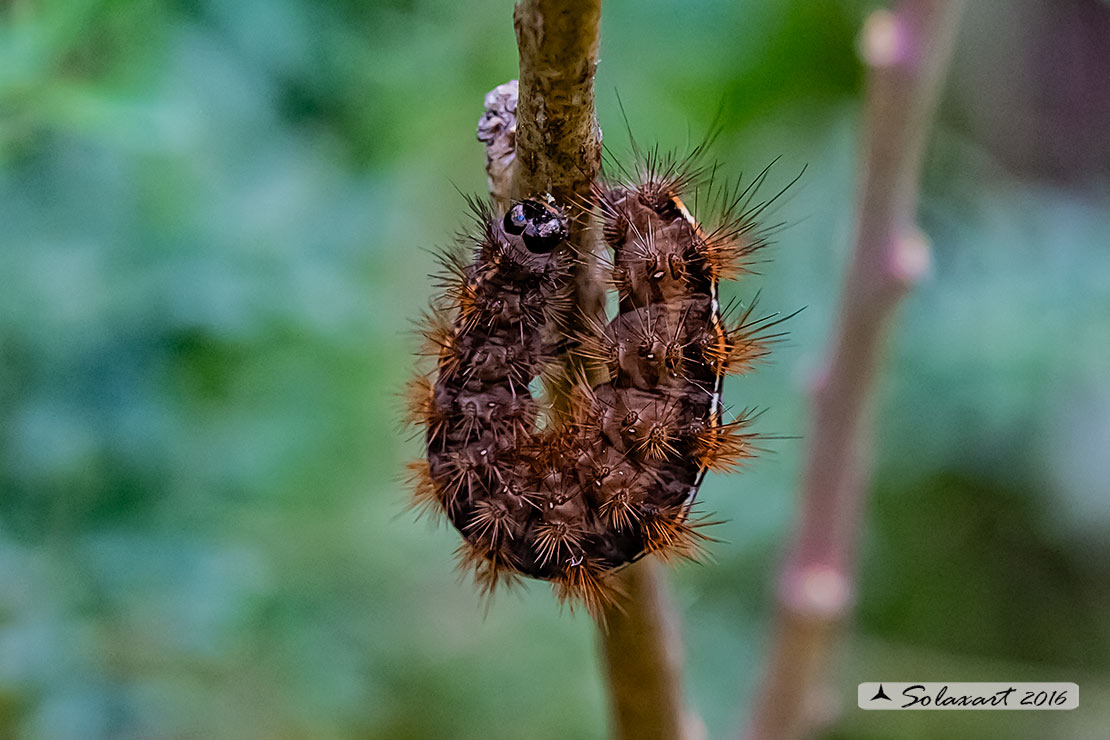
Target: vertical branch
{"type": "Point", "coordinates": [906, 52]}
{"type": "Point", "coordinates": [559, 151]}
{"type": "Point", "coordinates": [558, 141]}
{"type": "Point", "coordinates": [555, 141]}
{"type": "Point", "coordinates": [642, 649]}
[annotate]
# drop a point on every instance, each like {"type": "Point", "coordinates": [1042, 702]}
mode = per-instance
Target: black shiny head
{"type": "Point", "coordinates": [516, 220]}
{"type": "Point", "coordinates": [541, 225]}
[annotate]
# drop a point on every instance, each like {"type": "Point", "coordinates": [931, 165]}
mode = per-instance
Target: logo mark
{"type": "Point", "coordinates": [880, 694]}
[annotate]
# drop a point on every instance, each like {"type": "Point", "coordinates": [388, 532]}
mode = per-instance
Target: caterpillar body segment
{"type": "Point", "coordinates": [572, 498]}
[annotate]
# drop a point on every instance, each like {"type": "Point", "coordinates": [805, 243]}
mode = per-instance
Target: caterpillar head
{"type": "Point", "coordinates": [540, 224]}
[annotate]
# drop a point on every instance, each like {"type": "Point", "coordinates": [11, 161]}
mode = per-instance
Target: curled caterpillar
{"type": "Point", "coordinates": [572, 498]}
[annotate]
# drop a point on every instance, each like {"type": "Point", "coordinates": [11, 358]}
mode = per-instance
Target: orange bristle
{"type": "Point", "coordinates": [584, 583]}
{"type": "Point", "coordinates": [614, 230]}
{"type": "Point", "coordinates": [725, 447]}
{"type": "Point", "coordinates": [419, 406]}
{"type": "Point", "coordinates": [462, 476]}
{"type": "Point", "coordinates": [455, 267]}
{"type": "Point", "coordinates": [491, 521]}
{"type": "Point", "coordinates": [743, 341]}
{"type": "Point", "coordinates": [728, 247]}
{"type": "Point", "coordinates": [725, 255]}
{"type": "Point", "coordinates": [582, 421]}
{"type": "Point", "coordinates": [426, 499]}
{"type": "Point", "coordinates": [556, 539]}
{"type": "Point", "coordinates": [459, 291]}
{"type": "Point", "coordinates": [657, 443]}
{"type": "Point", "coordinates": [465, 303]}
{"type": "Point", "coordinates": [670, 534]}
{"type": "Point", "coordinates": [620, 510]}
{"type": "Point", "coordinates": [673, 359]}
{"type": "Point", "coordinates": [487, 566]}
{"type": "Point", "coordinates": [597, 348]}
{"type": "Point", "coordinates": [617, 280]}
{"type": "Point", "coordinates": [440, 341]}
{"type": "Point", "coordinates": [560, 308]}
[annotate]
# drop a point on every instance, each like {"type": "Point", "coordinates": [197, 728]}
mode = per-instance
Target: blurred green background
{"type": "Point", "coordinates": [215, 218]}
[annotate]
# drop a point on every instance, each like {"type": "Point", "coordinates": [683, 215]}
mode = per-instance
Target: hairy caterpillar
{"type": "Point", "coordinates": [575, 498]}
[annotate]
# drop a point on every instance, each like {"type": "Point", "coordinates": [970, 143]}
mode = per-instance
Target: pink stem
{"type": "Point", "coordinates": [906, 52]}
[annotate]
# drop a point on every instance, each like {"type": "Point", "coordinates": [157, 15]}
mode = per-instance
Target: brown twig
{"type": "Point", "coordinates": [642, 650]}
{"type": "Point", "coordinates": [558, 141]}
{"type": "Point", "coordinates": [558, 151]}
{"type": "Point", "coordinates": [906, 52]}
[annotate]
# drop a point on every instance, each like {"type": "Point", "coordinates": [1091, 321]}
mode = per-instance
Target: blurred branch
{"type": "Point", "coordinates": [642, 649]}
{"type": "Point", "coordinates": [558, 150]}
{"type": "Point", "coordinates": [906, 52]}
